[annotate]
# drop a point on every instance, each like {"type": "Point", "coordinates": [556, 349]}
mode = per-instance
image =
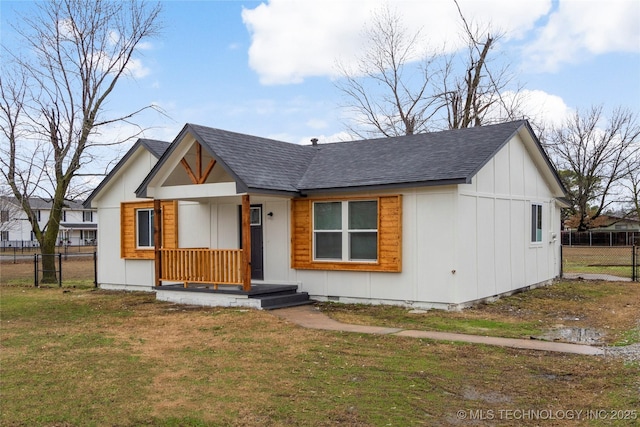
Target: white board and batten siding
{"type": "Point", "coordinates": [113, 271]}
{"type": "Point", "coordinates": [461, 243]}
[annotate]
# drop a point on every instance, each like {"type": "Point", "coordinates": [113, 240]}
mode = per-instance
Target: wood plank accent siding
{"type": "Point", "coordinates": [195, 265]}
{"type": "Point", "coordinates": [128, 233]}
{"type": "Point", "coordinates": [246, 241]}
{"type": "Point", "coordinates": [389, 237]}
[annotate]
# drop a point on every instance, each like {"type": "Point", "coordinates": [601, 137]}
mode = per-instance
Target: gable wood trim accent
{"type": "Point", "coordinates": [198, 177]}
{"type": "Point", "coordinates": [128, 232]}
{"type": "Point", "coordinates": [389, 236]}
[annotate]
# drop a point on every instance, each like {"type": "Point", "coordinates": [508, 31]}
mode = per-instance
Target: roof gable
{"type": "Point", "coordinates": [438, 158]}
{"type": "Point", "coordinates": [153, 146]}
{"type": "Point", "coordinates": [255, 163]}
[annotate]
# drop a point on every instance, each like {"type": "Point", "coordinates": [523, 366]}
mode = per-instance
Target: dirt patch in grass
{"type": "Point", "coordinates": [609, 307]}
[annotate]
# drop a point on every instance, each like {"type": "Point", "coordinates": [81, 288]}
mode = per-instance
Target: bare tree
{"type": "Point", "coordinates": [472, 97]}
{"type": "Point", "coordinates": [591, 150]}
{"type": "Point", "coordinates": [52, 99]}
{"type": "Point", "coordinates": [404, 104]}
{"type": "Point", "coordinates": [631, 184]}
{"type": "Point", "coordinates": [391, 91]}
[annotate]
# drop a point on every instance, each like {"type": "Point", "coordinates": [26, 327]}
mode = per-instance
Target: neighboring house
{"type": "Point", "coordinates": [606, 230]}
{"type": "Point", "coordinates": [431, 220]}
{"type": "Point", "coordinates": [617, 223]}
{"type": "Point", "coordinates": [78, 225]}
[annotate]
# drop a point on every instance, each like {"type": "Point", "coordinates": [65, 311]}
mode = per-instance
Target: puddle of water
{"type": "Point", "coordinates": [575, 335]}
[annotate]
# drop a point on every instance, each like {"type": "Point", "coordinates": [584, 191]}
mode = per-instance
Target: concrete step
{"type": "Point", "coordinates": [282, 300]}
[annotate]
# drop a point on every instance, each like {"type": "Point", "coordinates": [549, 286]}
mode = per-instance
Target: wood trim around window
{"type": "Point", "coordinates": [389, 236]}
{"type": "Point", "coordinates": [128, 232]}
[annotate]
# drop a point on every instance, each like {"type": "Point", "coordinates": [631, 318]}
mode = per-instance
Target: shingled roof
{"type": "Point", "coordinates": [438, 158]}
{"type": "Point", "coordinates": [258, 163]}
{"type": "Point", "coordinates": [266, 165]}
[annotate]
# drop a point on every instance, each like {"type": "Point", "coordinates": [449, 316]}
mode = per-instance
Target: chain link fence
{"type": "Point", "coordinates": [616, 261]}
{"type": "Point", "coordinates": [60, 269]}
{"type": "Point", "coordinates": [600, 238]}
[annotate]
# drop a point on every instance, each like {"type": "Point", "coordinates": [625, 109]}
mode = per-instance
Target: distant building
{"type": "Point", "coordinates": [617, 223]}
{"type": "Point", "coordinates": [606, 230]}
{"type": "Point", "coordinates": [78, 225]}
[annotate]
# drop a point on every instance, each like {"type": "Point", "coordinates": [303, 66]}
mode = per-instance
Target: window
{"type": "Point", "coordinates": [87, 216]}
{"type": "Point", "coordinates": [144, 228]}
{"type": "Point", "coordinates": [136, 227]}
{"type": "Point", "coordinates": [64, 216]}
{"type": "Point", "coordinates": [38, 216]}
{"type": "Point", "coordinates": [536, 223]}
{"type": "Point", "coordinates": [4, 236]}
{"type": "Point", "coordinates": [4, 216]}
{"type": "Point", "coordinates": [371, 241]}
{"type": "Point", "coordinates": [255, 215]}
{"type": "Point", "coordinates": [346, 231]}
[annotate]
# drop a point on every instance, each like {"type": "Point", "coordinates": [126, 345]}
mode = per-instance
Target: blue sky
{"type": "Point", "coordinates": [267, 68]}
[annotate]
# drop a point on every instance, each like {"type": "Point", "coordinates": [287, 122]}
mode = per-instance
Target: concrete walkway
{"type": "Point", "coordinates": [310, 317]}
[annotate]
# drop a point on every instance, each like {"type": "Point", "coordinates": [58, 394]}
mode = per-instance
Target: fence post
{"type": "Point", "coordinates": [561, 263]}
{"type": "Point", "coordinates": [634, 266]}
{"type": "Point", "coordinates": [35, 270]}
{"type": "Point", "coordinates": [95, 269]}
{"type": "Point", "coordinates": [60, 270]}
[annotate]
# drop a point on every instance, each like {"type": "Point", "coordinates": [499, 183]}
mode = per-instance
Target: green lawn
{"type": "Point", "coordinates": [84, 357]}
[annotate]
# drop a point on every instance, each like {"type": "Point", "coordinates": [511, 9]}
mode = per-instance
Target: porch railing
{"type": "Point", "coordinates": [214, 266]}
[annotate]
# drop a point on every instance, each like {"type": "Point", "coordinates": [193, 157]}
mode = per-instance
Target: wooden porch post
{"type": "Point", "coordinates": [157, 233]}
{"type": "Point", "coordinates": [246, 242]}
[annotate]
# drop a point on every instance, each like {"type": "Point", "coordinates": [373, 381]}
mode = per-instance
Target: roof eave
{"type": "Point", "coordinates": [107, 179]}
{"type": "Point", "coordinates": [141, 191]}
{"type": "Point", "coordinates": [272, 191]}
{"type": "Point", "coordinates": [377, 187]}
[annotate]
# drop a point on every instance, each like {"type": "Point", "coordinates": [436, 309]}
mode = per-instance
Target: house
{"type": "Point", "coordinates": [605, 230]}
{"type": "Point", "coordinates": [78, 226]}
{"type": "Point", "coordinates": [440, 220]}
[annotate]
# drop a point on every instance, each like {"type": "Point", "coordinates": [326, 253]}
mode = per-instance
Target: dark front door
{"type": "Point", "coordinates": [257, 262]}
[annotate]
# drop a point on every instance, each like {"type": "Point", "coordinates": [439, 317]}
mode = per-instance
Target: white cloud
{"type": "Point", "coordinates": [537, 106]}
{"type": "Point", "coordinates": [137, 69]}
{"type": "Point", "coordinates": [579, 29]}
{"type": "Point", "coordinates": [293, 40]}
{"type": "Point", "coordinates": [145, 46]}
{"type": "Point", "coordinates": [325, 139]}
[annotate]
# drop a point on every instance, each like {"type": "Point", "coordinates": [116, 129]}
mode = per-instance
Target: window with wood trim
{"type": "Point", "coordinates": [357, 234]}
{"type": "Point", "coordinates": [136, 228]}
{"type": "Point", "coordinates": [345, 230]}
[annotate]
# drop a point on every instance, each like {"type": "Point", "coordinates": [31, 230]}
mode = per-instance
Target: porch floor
{"type": "Point", "coordinates": [269, 296]}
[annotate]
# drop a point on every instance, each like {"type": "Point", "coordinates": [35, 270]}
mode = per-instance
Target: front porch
{"type": "Point", "coordinates": [262, 296]}
{"type": "Point", "coordinates": [202, 265]}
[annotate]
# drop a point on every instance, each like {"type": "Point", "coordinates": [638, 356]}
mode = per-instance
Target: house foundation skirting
{"type": "Point", "coordinates": [120, 287]}
{"type": "Point", "coordinates": [206, 299]}
{"type": "Point", "coordinates": [426, 305]}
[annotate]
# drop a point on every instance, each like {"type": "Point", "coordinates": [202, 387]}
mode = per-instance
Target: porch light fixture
{"type": "Point", "coordinates": [270, 214]}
